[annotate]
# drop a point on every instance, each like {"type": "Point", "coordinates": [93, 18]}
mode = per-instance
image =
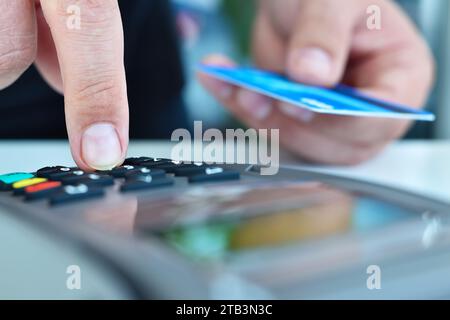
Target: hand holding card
{"type": "Point", "coordinates": [320, 137]}
{"type": "Point", "coordinates": [341, 100]}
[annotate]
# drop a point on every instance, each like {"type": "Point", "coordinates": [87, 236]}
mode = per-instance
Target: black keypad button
{"type": "Point", "coordinates": [145, 161]}
{"type": "Point", "coordinates": [73, 193]}
{"type": "Point", "coordinates": [120, 172]}
{"type": "Point", "coordinates": [143, 172]}
{"type": "Point", "coordinates": [47, 172]}
{"type": "Point", "coordinates": [169, 167]}
{"type": "Point", "coordinates": [58, 176]}
{"type": "Point", "coordinates": [88, 178]}
{"type": "Point", "coordinates": [187, 170]}
{"type": "Point", "coordinates": [68, 177]}
{"type": "Point", "coordinates": [98, 180]}
{"type": "Point", "coordinates": [73, 177]}
{"type": "Point", "coordinates": [136, 161]}
{"type": "Point", "coordinates": [155, 161]}
{"type": "Point", "coordinates": [146, 182]}
{"type": "Point", "coordinates": [214, 174]}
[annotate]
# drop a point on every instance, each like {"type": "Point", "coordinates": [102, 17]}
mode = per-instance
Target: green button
{"type": "Point", "coordinates": [14, 177]}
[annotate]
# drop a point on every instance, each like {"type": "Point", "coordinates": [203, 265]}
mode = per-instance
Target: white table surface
{"type": "Point", "coordinates": [418, 166]}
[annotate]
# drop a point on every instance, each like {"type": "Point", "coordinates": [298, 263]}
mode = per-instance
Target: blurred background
{"type": "Point", "coordinates": [208, 26]}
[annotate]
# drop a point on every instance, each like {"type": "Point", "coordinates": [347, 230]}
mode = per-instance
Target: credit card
{"type": "Point", "coordinates": [340, 100]}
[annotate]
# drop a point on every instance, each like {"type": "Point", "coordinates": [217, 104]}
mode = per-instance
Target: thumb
{"type": "Point", "coordinates": [320, 42]}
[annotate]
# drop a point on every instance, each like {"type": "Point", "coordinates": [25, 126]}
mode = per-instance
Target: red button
{"type": "Point", "coordinates": [43, 186]}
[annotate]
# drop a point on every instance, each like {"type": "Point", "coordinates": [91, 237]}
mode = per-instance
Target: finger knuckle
{"type": "Point", "coordinates": [16, 56]}
{"type": "Point", "coordinates": [97, 96]}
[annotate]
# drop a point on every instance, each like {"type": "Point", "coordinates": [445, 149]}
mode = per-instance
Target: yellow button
{"type": "Point", "coordinates": [27, 182]}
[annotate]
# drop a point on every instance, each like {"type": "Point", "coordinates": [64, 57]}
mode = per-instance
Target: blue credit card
{"type": "Point", "coordinates": [340, 100]}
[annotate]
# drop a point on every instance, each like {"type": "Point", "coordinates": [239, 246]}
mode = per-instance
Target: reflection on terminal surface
{"type": "Point", "coordinates": [212, 223]}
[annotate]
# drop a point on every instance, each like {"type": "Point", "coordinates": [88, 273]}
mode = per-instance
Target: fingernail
{"type": "Point", "coordinates": [255, 104]}
{"type": "Point", "coordinates": [309, 64]}
{"type": "Point", "coordinates": [297, 113]}
{"type": "Point", "coordinates": [101, 148]}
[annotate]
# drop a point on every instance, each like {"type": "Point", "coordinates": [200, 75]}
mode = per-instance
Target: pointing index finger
{"type": "Point", "coordinates": [89, 43]}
